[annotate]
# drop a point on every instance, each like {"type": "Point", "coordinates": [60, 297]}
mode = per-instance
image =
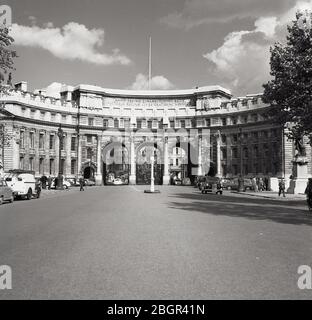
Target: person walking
{"type": "Point", "coordinates": [281, 187]}
{"type": "Point", "coordinates": [81, 183]}
{"type": "Point", "coordinates": [49, 182]}
{"type": "Point", "coordinates": [308, 192]}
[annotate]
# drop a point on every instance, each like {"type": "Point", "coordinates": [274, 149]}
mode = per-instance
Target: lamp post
{"type": "Point", "coordinates": [60, 133]}
{"type": "Point", "coordinates": [241, 180]}
{"type": "Point", "coordinates": [152, 189]}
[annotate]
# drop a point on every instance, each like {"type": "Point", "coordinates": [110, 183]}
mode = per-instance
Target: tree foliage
{"type": "Point", "coordinates": [289, 93]}
{"type": "Point", "coordinates": [7, 56]}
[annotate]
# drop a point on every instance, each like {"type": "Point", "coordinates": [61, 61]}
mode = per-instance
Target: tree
{"type": "Point", "coordinates": [289, 93]}
{"type": "Point", "coordinates": [6, 59]}
{"type": "Point", "coordinates": [6, 64]}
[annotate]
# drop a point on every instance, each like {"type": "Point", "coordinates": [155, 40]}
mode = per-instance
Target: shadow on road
{"type": "Point", "coordinates": [292, 212]}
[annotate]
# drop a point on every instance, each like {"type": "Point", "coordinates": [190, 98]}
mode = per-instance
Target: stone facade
{"type": "Point", "coordinates": [218, 134]}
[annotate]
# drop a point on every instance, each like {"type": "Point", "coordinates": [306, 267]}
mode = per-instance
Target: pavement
{"type": "Point", "coordinates": [119, 243]}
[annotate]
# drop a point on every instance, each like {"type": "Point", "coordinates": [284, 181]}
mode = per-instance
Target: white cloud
{"type": "Point", "coordinates": [242, 62]}
{"type": "Point", "coordinates": [73, 41]}
{"type": "Point", "coordinates": [199, 12]}
{"type": "Point", "coordinates": [157, 83]}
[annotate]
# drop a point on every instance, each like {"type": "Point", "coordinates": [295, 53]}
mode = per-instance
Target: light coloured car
{"type": "Point", "coordinates": [118, 181]}
{"type": "Point", "coordinates": [22, 184]}
{"type": "Point", "coordinates": [6, 193]}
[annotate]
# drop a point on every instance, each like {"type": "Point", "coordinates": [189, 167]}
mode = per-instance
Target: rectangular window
{"type": "Point", "coordinates": [105, 123]}
{"type": "Point", "coordinates": [182, 123]}
{"type": "Point", "coordinates": [52, 117]}
{"type": "Point", "coordinates": [51, 143]}
{"type": "Point", "coordinates": [121, 123]}
{"type": "Point", "coordinates": [177, 123]}
{"type": "Point", "coordinates": [224, 121]}
{"type": "Point", "coordinates": [74, 120]}
{"type": "Point", "coordinates": [155, 124]}
{"type": "Point", "coordinates": [31, 140]}
{"type": "Point", "coordinates": [90, 122]}
{"type": "Point", "coordinates": [73, 144]}
{"type": "Point", "coordinates": [177, 162]}
{"type": "Point", "coordinates": [41, 166]}
{"type": "Point", "coordinates": [188, 123]}
{"type": "Point", "coordinates": [51, 166]}
{"type": "Point", "coordinates": [31, 163]}
{"type": "Point", "coordinates": [73, 167]}
{"type": "Point", "coordinates": [111, 123]}
{"type": "Point", "coordinates": [234, 153]}
{"type": "Point", "coordinates": [21, 163]}
{"type": "Point", "coordinates": [41, 141]}
{"type": "Point", "coordinates": [89, 139]}
{"type": "Point", "coordinates": [208, 122]}
{"type": "Point", "coordinates": [63, 118]}
{"type": "Point", "coordinates": [144, 124]}
{"type": "Point", "coordinates": [22, 139]}
{"type": "Point", "coordinates": [200, 123]}
{"type": "Point", "coordinates": [116, 123]}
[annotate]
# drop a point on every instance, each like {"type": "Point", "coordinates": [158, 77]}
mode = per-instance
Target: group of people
{"type": "Point", "coordinates": [260, 184]}
{"type": "Point", "coordinates": [46, 182]}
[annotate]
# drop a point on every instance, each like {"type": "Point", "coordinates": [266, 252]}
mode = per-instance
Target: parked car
{"type": "Point", "coordinates": [6, 193]}
{"type": "Point", "coordinates": [212, 184]}
{"type": "Point", "coordinates": [233, 184]}
{"type": "Point", "coordinates": [118, 181]}
{"type": "Point", "coordinates": [89, 182]}
{"type": "Point", "coordinates": [186, 182]}
{"type": "Point", "coordinates": [66, 184]}
{"type": "Point", "coordinates": [22, 184]}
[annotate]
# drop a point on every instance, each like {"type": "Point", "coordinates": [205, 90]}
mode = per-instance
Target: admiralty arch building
{"type": "Point", "coordinates": [104, 134]}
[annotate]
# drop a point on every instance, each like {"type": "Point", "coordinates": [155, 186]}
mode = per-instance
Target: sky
{"type": "Point", "coordinates": [106, 42]}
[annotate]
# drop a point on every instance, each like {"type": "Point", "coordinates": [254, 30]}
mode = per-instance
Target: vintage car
{"type": "Point", "coordinates": [212, 184]}
{"type": "Point", "coordinates": [6, 193]}
{"type": "Point", "coordinates": [22, 184]}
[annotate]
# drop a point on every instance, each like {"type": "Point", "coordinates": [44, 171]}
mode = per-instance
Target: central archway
{"type": "Point", "coordinates": [116, 164]}
{"type": "Point", "coordinates": [143, 164]}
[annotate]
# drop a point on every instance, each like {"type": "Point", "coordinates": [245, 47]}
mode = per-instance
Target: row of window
{"type": "Point", "coordinates": [42, 141]}
{"type": "Point", "coordinates": [52, 170]}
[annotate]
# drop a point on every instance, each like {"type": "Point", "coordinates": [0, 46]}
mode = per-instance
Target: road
{"type": "Point", "coordinates": [119, 243]}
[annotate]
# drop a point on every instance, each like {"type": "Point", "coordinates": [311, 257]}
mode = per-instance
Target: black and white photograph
{"type": "Point", "coordinates": [156, 150]}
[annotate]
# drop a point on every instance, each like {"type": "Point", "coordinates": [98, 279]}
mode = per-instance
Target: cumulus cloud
{"type": "Point", "coordinates": [198, 12]}
{"type": "Point", "coordinates": [242, 62]}
{"type": "Point", "coordinates": [157, 83]}
{"type": "Point", "coordinates": [73, 41]}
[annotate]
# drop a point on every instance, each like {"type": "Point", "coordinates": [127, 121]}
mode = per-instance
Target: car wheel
{"type": "Point", "coordinates": [29, 194]}
{"type": "Point", "coordinates": [65, 186]}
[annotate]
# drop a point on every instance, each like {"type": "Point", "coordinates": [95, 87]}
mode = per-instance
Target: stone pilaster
{"type": "Point", "coordinates": [98, 176]}
{"type": "Point", "coordinates": [132, 178]}
{"type": "Point", "coordinates": [166, 177]}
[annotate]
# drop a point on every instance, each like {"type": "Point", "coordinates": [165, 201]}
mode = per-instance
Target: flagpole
{"type": "Point", "coordinates": [150, 64]}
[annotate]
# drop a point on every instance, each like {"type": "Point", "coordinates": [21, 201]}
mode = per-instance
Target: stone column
{"type": "Point", "coordinates": [218, 140]}
{"type": "Point", "coordinates": [67, 172]}
{"type": "Point", "coordinates": [166, 177]}
{"type": "Point", "coordinates": [79, 158]}
{"type": "Point", "coordinates": [200, 163]}
{"type": "Point", "coordinates": [132, 178]}
{"type": "Point", "coordinates": [98, 175]}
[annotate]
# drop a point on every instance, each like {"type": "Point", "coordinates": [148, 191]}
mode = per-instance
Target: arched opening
{"type": "Point", "coordinates": [88, 173]}
{"type": "Point", "coordinates": [143, 164]}
{"type": "Point", "coordinates": [88, 170]}
{"type": "Point", "coordinates": [116, 164]}
{"type": "Point", "coordinates": [181, 166]}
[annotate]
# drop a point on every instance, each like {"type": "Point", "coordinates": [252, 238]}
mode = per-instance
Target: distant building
{"type": "Point", "coordinates": [111, 134]}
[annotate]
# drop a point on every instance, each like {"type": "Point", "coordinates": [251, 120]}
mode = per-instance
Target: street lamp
{"type": "Point", "coordinates": [152, 189]}
{"type": "Point", "coordinates": [60, 134]}
{"type": "Point", "coordinates": [241, 180]}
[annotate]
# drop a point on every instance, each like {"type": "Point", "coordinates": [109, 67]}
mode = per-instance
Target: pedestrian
{"type": "Point", "coordinates": [254, 184]}
{"type": "Point", "coordinates": [81, 183]}
{"type": "Point", "coordinates": [43, 180]}
{"type": "Point", "coordinates": [49, 182]}
{"type": "Point", "coordinates": [308, 192]}
{"type": "Point", "coordinates": [261, 185]}
{"type": "Point", "coordinates": [281, 187]}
